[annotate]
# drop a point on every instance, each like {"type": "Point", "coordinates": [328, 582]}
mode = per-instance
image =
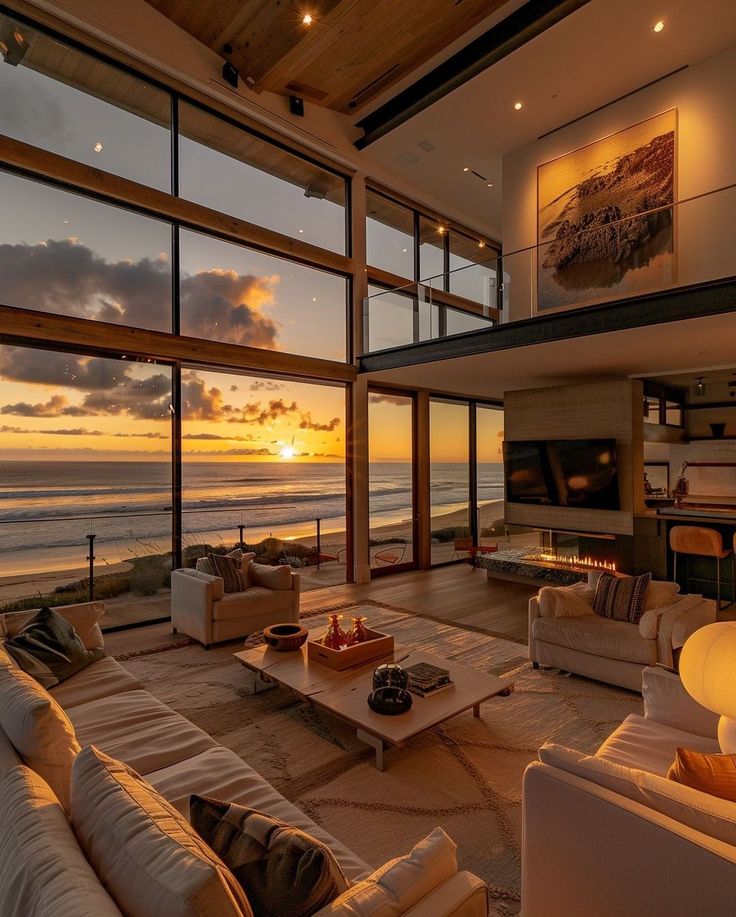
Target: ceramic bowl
{"type": "Point", "coordinates": [284, 638]}
{"type": "Point", "coordinates": [389, 701]}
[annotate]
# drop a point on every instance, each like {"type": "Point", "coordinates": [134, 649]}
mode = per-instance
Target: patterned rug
{"type": "Point", "coordinates": [464, 775]}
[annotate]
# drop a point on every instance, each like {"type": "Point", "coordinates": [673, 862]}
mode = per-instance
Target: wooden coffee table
{"type": "Point", "coordinates": [345, 694]}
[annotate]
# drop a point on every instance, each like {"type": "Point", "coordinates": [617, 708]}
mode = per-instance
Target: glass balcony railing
{"type": "Point", "coordinates": [610, 258]}
{"type": "Point", "coordinates": [125, 559]}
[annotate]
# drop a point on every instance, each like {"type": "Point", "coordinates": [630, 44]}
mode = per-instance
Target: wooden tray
{"type": "Point", "coordinates": [377, 646]}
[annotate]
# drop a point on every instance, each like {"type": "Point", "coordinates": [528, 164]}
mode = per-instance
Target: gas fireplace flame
{"type": "Point", "coordinates": [552, 559]}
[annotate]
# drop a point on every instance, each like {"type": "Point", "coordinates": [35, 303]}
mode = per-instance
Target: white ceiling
{"type": "Point", "coordinates": [692, 347]}
{"type": "Point", "coordinates": [600, 52]}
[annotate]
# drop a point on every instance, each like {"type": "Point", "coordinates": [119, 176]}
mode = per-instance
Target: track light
{"type": "Point", "coordinates": [700, 386]}
{"type": "Point", "coordinates": [14, 48]}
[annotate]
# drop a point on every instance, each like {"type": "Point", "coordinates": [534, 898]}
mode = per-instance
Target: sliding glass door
{"type": "Point", "coordinates": [391, 452]}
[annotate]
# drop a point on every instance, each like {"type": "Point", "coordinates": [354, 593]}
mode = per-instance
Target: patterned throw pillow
{"type": "Point", "coordinates": [621, 598]}
{"type": "Point", "coordinates": [50, 650]}
{"type": "Point", "coordinates": [228, 567]}
{"type": "Point", "coordinates": [281, 869]}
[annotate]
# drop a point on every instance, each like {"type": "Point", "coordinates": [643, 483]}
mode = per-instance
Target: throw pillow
{"type": "Point", "coordinates": [228, 568]}
{"type": "Point", "coordinates": [280, 868]}
{"type": "Point", "coordinates": [42, 868]}
{"type": "Point", "coordinates": [40, 731]}
{"type": "Point", "coordinates": [712, 774]}
{"type": "Point", "coordinates": [204, 566]}
{"type": "Point", "coordinates": [278, 577]}
{"type": "Point", "coordinates": [621, 598]}
{"type": "Point", "coordinates": [85, 619]}
{"type": "Point", "coordinates": [152, 859]}
{"type": "Point", "coordinates": [50, 650]}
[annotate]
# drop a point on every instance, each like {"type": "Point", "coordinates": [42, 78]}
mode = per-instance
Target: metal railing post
{"type": "Point", "coordinates": [91, 558]}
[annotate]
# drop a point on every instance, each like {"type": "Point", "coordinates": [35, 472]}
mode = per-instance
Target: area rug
{"type": "Point", "coordinates": [464, 775]}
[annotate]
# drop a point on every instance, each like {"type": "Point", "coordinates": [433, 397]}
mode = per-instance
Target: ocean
{"type": "Point", "coordinates": [51, 507]}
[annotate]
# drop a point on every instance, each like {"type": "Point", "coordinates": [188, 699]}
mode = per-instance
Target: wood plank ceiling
{"type": "Point", "coordinates": [353, 51]}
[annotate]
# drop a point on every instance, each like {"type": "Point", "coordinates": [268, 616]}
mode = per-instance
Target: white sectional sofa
{"type": "Point", "coordinates": [610, 835]}
{"type": "Point", "coordinates": [109, 708]}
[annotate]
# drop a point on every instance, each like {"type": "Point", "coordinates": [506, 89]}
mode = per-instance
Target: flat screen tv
{"type": "Point", "coordinates": [578, 473]}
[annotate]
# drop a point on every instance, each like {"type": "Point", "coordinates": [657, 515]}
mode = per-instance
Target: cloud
{"type": "Point", "coordinates": [56, 406]}
{"type": "Point", "coordinates": [381, 398]}
{"type": "Point", "coordinates": [46, 367]}
{"type": "Point", "coordinates": [66, 276]}
{"type": "Point", "coordinates": [307, 423]}
{"type": "Point", "coordinates": [216, 436]}
{"type": "Point", "coordinates": [81, 431]}
{"type": "Point", "coordinates": [263, 385]}
{"type": "Point", "coordinates": [254, 451]}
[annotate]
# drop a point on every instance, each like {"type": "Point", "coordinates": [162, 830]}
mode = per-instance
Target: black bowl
{"type": "Point", "coordinates": [390, 675]}
{"type": "Point", "coordinates": [389, 701]}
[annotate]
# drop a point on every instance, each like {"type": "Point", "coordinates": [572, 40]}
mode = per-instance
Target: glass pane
{"type": "Point", "coordinates": [474, 267]}
{"type": "Point", "coordinates": [489, 471]}
{"type": "Point", "coordinates": [389, 235]}
{"type": "Point", "coordinates": [431, 251]}
{"type": "Point", "coordinates": [651, 409]}
{"type": "Point", "coordinates": [673, 413]}
{"type": "Point", "coordinates": [391, 477]}
{"type": "Point", "coordinates": [71, 103]}
{"type": "Point", "coordinates": [231, 170]}
{"type": "Point", "coordinates": [390, 319]}
{"type": "Point", "coordinates": [64, 253]}
{"type": "Point", "coordinates": [458, 322]}
{"type": "Point", "coordinates": [234, 294]}
{"type": "Point", "coordinates": [268, 455]}
{"type": "Point", "coordinates": [450, 480]}
{"type": "Point", "coordinates": [86, 450]}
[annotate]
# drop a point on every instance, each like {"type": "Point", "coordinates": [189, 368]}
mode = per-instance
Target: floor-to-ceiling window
{"type": "Point", "coordinates": [85, 469]}
{"type": "Point", "coordinates": [264, 465]}
{"type": "Point", "coordinates": [391, 480]}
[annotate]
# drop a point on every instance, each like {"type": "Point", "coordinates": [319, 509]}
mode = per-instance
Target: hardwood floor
{"type": "Point", "coordinates": [458, 595]}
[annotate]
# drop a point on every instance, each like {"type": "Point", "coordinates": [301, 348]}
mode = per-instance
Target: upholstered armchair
{"type": "Point", "coordinates": [565, 632]}
{"type": "Point", "coordinates": [202, 609]}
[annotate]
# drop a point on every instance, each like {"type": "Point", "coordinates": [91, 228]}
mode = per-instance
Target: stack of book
{"type": "Point", "coordinates": [426, 679]}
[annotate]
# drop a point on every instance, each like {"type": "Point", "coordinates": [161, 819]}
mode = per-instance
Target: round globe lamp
{"type": "Point", "coordinates": [708, 672]}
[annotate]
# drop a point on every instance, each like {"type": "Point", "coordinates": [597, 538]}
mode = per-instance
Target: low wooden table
{"type": "Point", "coordinates": [345, 694]}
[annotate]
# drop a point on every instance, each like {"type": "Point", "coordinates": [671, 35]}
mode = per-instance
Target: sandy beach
{"type": "Point", "coordinates": [21, 577]}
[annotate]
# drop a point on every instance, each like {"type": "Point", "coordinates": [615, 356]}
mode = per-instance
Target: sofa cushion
{"type": "Point", "coordinates": [272, 577]}
{"type": "Point", "coordinates": [621, 598]}
{"type": "Point", "coordinates": [9, 757]}
{"type": "Point", "coordinates": [566, 601]}
{"type": "Point", "coordinates": [281, 869]}
{"type": "Point", "coordinates": [257, 600]}
{"type": "Point", "coordinates": [49, 649]}
{"type": "Point", "coordinates": [396, 887]}
{"type": "Point", "coordinates": [220, 773]}
{"type": "Point", "coordinates": [650, 746]}
{"type": "Point", "coordinates": [714, 774]}
{"type": "Point", "coordinates": [43, 870]}
{"type": "Point", "coordinates": [139, 730]}
{"type": "Point", "coordinates": [152, 860]}
{"type": "Point", "coordinates": [39, 729]}
{"type": "Point", "coordinates": [597, 636]}
{"type": "Point", "coordinates": [84, 617]}
{"type": "Point", "coordinates": [660, 593]}
{"type": "Point", "coordinates": [101, 679]}
{"type": "Point", "coordinates": [704, 813]}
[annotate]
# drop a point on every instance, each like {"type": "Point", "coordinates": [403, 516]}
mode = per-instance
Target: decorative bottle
{"type": "Point", "coordinates": [358, 633]}
{"type": "Point", "coordinates": [335, 637]}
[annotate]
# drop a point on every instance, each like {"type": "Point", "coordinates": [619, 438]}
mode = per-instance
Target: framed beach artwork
{"type": "Point", "coordinates": [605, 217]}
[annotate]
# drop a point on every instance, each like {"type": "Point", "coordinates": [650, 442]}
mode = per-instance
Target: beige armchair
{"type": "Point", "coordinates": [201, 609]}
{"type": "Point", "coordinates": [578, 640]}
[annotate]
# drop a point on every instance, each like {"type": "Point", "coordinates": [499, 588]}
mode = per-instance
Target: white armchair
{"type": "Point", "coordinates": [201, 609]}
{"type": "Point", "coordinates": [565, 632]}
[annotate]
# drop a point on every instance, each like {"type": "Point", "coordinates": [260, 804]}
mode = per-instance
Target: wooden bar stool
{"type": "Point", "coordinates": [696, 539]}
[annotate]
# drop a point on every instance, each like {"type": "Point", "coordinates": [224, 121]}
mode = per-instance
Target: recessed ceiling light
{"type": "Point", "coordinates": [301, 230]}
{"type": "Point", "coordinates": [466, 169]}
{"type": "Point", "coordinates": [518, 106]}
{"type": "Point", "coordinates": [481, 244]}
{"type": "Point", "coordinates": [307, 20]}
{"type": "Point", "coordinates": [658, 26]}
{"type": "Point", "coordinates": [441, 229]}
{"type": "Point", "coordinates": [98, 147]}
{"type": "Point", "coordinates": [490, 184]}
{"type": "Point", "coordinates": [404, 250]}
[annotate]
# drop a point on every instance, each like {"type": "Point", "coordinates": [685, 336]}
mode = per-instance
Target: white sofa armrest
{"type": "Point", "coordinates": [464, 895]}
{"type": "Point", "coordinates": [193, 594]}
{"type": "Point", "coordinates": [681, 620]}
{"type": "Point", "coordinates": [667, 702]}
{"type": "Point", "coordinates": [295, 583]}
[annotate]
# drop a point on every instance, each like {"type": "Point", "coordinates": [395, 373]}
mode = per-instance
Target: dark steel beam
{"type": "Point", "coordinates": [713, 298]}
{"type": "Point", "coordinates": [519, 27]}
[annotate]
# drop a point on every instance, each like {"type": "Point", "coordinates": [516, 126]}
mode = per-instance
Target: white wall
{"type": "Point", "coordinates": [705, 97]}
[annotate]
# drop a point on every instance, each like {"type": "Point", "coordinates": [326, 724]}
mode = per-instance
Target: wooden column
{"type": "Point", "coordinates": [423, 546]}
{"type": "Point", "coordinates": [358, 450]}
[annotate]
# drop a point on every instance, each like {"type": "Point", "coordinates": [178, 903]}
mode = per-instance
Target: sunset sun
{"type": "Point", "coordinates": [287, 452]}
